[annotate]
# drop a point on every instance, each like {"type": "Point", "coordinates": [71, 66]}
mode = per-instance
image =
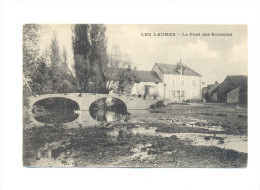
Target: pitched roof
{"type": "Point", "coordinates": [146, 76]}
{"type": "Point", "coordinates": [172, 69]}
{"type": "Point", "coordinates": [239, 80]}
{"type": "Point", "coordinates": [231, 82]}
{"type": "Point", "coordinates": [140, 75]}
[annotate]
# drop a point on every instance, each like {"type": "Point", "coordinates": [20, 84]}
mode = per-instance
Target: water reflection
{"type": "Point", "coordinates": [55, 110]}
{"type": "Point", "coordinates": [108, 110]}
{"type": "Point", "coordinates": [80, 147]}
{"type": "Point", "coordinates": [57, 157]}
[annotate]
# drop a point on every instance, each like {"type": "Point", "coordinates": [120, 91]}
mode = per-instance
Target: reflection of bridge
{"type": "Point", "coordinates": [84, 101]}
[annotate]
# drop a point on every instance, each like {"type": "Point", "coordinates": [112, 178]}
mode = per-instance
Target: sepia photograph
{"type": "Point", "coordinates": [135, 95]}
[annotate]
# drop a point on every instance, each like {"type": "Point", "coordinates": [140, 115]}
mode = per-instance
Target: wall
{"type": "Point", "coordinates": [224, 88]}
{"type": "Point", "coordinates": [243, 97]}
{"type": "Point", "coordinates": [214, 97]}
{"type": "Point", "coordinates": [190, 91]}
{"type": "Point", "coordinates": [233, 96]}
{"type": "Point", "coordinates": [154, 89]}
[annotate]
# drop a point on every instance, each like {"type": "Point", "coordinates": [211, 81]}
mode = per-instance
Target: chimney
{"type": "Point", "coordinates": [129, 67]}
{"type": "Point", "coordinates": [135, 68]}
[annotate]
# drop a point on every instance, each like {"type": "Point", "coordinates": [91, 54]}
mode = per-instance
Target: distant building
{"type": "Point", "coordinates": [147, 83]}
{"type": "Point", "coordinates": [180, 82]}
{"type": "Point", "coordinates": [207, 92]}
{"type": "Point", "coordinates": [232, 90]}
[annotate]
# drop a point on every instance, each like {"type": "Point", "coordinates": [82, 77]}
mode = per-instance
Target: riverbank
{"type": "Point", "coordinates": [192, 135]}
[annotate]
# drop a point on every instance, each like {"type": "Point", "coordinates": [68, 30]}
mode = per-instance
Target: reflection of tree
{"type": "Point", "coordinates": [111, 110]}
{"type": "Point", "coordinates": [55, 110]}
{"type": "Point", "coordinates": [100, 115]}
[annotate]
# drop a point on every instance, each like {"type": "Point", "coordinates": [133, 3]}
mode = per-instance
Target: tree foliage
{"type": "Point", "coordinates": [49, 72]}
{"type": "Point", "coordinates": [31, 48]}
{"type": "Point", "coordinates": [126, 81]}
{"type": "Point", "coordinates": [90, 56]}
{"type": "Point", "coordinates": [120, 66]}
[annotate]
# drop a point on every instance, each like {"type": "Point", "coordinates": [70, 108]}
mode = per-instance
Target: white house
{"type": "Point", "coordinates": [180, 82]}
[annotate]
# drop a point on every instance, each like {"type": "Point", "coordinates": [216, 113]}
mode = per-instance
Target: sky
{"type": "Point", "coordinates": [214, 57]}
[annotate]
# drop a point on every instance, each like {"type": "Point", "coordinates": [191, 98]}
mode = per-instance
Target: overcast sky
{"type": "Point", "coordinates": [214, 57]}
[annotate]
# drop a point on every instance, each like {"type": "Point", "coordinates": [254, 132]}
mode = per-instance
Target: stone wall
{"type": "Point", "coordinates": [233, 96]}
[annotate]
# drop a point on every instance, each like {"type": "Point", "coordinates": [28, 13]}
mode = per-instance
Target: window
{"type": "Point", "coordinates": [194, 83]}
{"type": "Point", "coordinates": [173, 81]}
{"type": "Point", "coordinates": [182, 82]}
{"type": "Point", "coordinates": [182, 94]}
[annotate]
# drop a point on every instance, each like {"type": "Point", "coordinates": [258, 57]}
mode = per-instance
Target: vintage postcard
{"type": "Point", "coordinates": [135, 95]}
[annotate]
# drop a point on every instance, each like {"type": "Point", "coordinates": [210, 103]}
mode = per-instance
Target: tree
{"type": "Point", "coordinates": [90, 56]}
{"type": "Point", "coordinates": [55, 53]}
{"type": "Point", "coordinates": [31, 48]}
{"type": "Point", "coordinates": [59, 76]}
{"type": "Point", "coordinates": [65, 87]}
{"type": "Point", "coordinates": [126, 81]}
{"type": "Point", "coordinates": [65, 56]}
{"type": "Point", "coordinates": [30, 55]}
{"type": "Point", "coordinates": [98, 56]}
{"type": "Point", "coordinates": [120, 66]}
{"type": "Point", "coordinates": [48, 73]}
{"type": "Point", "coordinates": [81, 47]}
{"type": "Point", "coordinates": [55, 69]}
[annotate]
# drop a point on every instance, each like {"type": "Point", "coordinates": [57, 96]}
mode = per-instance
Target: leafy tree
{"type": "Point", "coordinates": [60, 73]}
{"type": "Point", "coordinates": [126, 81]}
{"type": "Point", "coordinates": [65, 87]}
{"type": "Point", "coordinates": [82, 68]}
{"type": "Point", "coordinates": [125, 78]}
{"type": "Point", "coordinates": [81, 47]}
{"type": "Point", "coordinates": [31, 48]}
{"type": "Point", "coordinates": [90, 56]}
{"type": "Point", "coordinates": [55, 53]}
{"type": "Point", "coordinates": [65, 56]}
{"type": "Point", "coordinates": [99, 56]}
{"type": "Point", "coordinates": [30, 55]}
{"type": "Point", "coordinates": [40, 76]}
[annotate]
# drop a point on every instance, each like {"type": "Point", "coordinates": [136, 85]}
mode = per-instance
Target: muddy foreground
{"type": "Point", "coordinates": [179, 135]}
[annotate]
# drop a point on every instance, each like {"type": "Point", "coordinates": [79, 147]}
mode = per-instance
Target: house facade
{"type": "Point", "coordinates": [180, 83]}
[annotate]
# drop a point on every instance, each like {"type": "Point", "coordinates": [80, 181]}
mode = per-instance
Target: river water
{"type": "Point", "coordinates": [125, 137]}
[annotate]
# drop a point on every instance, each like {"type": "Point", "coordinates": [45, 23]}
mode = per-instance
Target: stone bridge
{"type": "Point", "coordinates": [84, 101]}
